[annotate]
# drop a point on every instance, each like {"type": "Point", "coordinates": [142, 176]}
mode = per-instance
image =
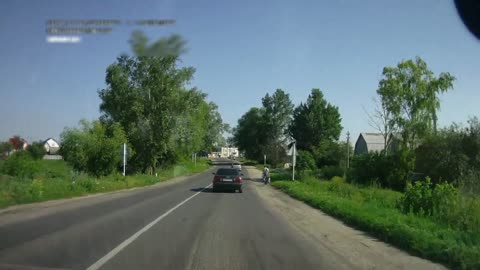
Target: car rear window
{"type": "Point", "coordinates": [227, 172]}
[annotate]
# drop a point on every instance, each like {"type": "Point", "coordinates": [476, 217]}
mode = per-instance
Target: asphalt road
{"type": "Point", "coordinates": [180, 226]}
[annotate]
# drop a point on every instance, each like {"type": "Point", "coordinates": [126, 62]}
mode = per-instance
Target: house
{"type": "Point", "coordinates": [51, 146]}
{"type": "Point", "coordinates": [228, 152]}
{"type": "Point", "coordinates": [373, 142]}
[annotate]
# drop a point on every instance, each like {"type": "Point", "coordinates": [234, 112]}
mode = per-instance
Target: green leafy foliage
{"type": "Point", "coordinates": [5, 148]}
{"type": "Point", "coordinates": [94, 148]}
{"type": "Point", "coordinates": [163, 120]}
{"type": "Point", "coordinates": [315, 121]}
{"type": "Point", "coordinates": [305, 162]}
{"type": "Point", "coordinates": [56, 180]}
{"type": "Point", "coordinates": [452, 155]}
{"type": "Point", "coordinates": [327, 172]}
{"type": "Point", "coordinates": [409, 93]}
{"type": "Point", "coordinates": [36, 150]}
{"type": "Point", "coordinates": [442, 202]}
{"type": "Point", "coordinates": [20, 164]}
{"type": "Point", "coordinates": [391, 171]}
{"type": "Point", "coordinates": [264, 130]}
{"type": "Point", "coordinates": [375, 211]}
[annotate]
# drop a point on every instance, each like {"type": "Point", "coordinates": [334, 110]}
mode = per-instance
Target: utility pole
{"type": "Point", "coordinates": [348, 155]}
{"type": "Point", "coordinates": [348, 149]}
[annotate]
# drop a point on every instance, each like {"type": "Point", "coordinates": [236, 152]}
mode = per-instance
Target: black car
{"type": "Point", "coordinates": [227, 178]}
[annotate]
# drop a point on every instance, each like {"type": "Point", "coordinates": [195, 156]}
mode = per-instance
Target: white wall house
{"type": "Point", "coordinates": [51, 146]}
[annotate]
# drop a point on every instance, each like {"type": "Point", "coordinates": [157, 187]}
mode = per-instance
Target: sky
{"type": "Point", "coordinates": [241, 50]}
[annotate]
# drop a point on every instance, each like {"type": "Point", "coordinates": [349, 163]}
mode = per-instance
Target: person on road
{"type": "Point", "coordinates": [266, 175]}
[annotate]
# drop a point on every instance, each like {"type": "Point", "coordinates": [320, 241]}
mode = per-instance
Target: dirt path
{"type": "Point", "coordinates": [333, 237]}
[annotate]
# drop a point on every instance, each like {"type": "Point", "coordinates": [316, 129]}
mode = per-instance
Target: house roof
{"type": "Point", "coordinates": [47, 140]}
{"type": "Point", "coordinates": [375, 141]}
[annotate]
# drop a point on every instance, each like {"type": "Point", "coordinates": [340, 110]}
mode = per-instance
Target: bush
{"type": "Point", "coordinates": [441, 156]}
{"type": "Point", "coordinates": [390, 171]}
{"type": "Point", "coordinates": [305, 162]}
{"type": "Point", "coordinates": [95, 148]}
{"type": "Point", "coordinates": [372, 210]}
{"type": "Point", "coordinates": [443, 203]}
{"type": "Point", "coordinates": [327, 172]}
{"type": "Point", "coordinates": [418, 198]}
{"type": "Point", "coordinates": [36, 150]}
{"type": "Point", "coordinates": [20, 164]}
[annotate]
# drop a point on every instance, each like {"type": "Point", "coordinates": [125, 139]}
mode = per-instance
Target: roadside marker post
{"type": "Point", "coordinates": [124, 157]}
{"type": "Point", "coordinates": [294, 160]}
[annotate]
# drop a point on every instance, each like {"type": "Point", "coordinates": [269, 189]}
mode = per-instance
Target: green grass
{"type": "Point", "coordinates": [374, 210]}
{"type": "Point", "coordinates": [55, 180]}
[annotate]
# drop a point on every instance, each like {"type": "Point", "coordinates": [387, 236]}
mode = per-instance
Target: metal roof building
{"type": "Point", "coordinates": [371, 142]}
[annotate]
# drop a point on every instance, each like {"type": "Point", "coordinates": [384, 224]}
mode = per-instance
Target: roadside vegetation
{"type": "Point", "coordinates": [447, 232]}
{"type": "Point", "coordinates": [420, 193]}
{"type": "Point", "coordinates": [55, 179]}
{"type": "Point", "coordinates": [148, 105]}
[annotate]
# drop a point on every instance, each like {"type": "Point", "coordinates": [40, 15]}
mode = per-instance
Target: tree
{"type": "Point", "coordinates": [409, 92]}
{"type": "Point", "coordinates": [94, 148]}
{"type": "Point", "coordinates": [36, 150]}
{"type": "Point", "coordinates": [315, 121]}
{"type": "Point", "coordinates": [173, 45]}
{"type": "Point", "coordinates": [144, 95]}
{"type": "Point", "coordinates": [247, 136]}
{"type": "Point", "coordinates": [17, 142]}
{"type": "Point", "coordinates": [216, 128]}
{"type": "Point", "coordinates": [276, 118]}
{"type": "Point", "coordinates": [305, 162]}
{"type": "Point", "coordinates": [5, 148]}
{"type": "Point", "coordinates": [382, 120]}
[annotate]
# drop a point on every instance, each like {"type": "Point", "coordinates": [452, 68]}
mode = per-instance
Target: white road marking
{"type": "Point", "coordinates": [132, 238]}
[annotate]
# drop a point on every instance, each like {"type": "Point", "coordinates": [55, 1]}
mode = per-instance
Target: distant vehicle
{"type": "Point", "coordinates": [227, 178]}
{"type": "Point", "coordinates": [237, 166]}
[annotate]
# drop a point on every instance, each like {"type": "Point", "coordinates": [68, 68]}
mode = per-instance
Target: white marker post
{"type": "Point", "coordinates": [294, 160]}
{"type": "Point", "coordinates": [124, 157]}
{"type": "Point", "coordinates": [264, 160]}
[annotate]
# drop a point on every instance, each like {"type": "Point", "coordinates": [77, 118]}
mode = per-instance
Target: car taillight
{"type": "Point", "coordinates": [216, 178]}
{"type": "Point", "coordinates": [238, 180]}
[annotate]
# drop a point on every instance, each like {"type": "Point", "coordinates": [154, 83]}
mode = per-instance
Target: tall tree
{"type": "Point", "coordinates": [144, 94]}
{"type": "Point", "coordinates": [315, 121]}
{"type": "Point", "coordinates": [410, 93]}
{"type": "Point", "coordinates": [216, 128]}
{"type": "Point", "coordinates": [247, 136]}
{"type": "Point", "coordinates": [277, 116]}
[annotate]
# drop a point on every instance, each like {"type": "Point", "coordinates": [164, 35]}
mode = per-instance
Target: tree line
{"type": "Point", "coordinates": [406, 112]}
{"type": "Point", "coordinates": [314, 124]}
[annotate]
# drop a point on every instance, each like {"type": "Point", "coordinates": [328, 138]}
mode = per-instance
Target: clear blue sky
{"type": "Point", "coordinates": [241, 50]}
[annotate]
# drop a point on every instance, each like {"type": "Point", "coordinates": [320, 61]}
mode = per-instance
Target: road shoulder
{"type": "Point", "coordinates": [330, 235]}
